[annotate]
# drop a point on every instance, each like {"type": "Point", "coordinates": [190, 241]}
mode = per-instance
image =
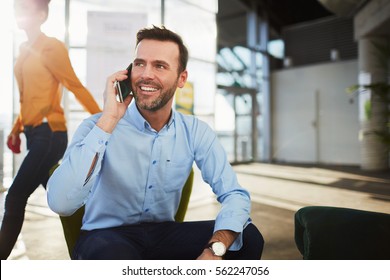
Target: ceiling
{"type": "Point", "coordinates": [283, 13]}
{"type": "Point", "coordinates": [232, 17]}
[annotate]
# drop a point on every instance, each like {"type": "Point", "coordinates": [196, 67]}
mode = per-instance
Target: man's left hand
{"type": "Point", "coordinates": [207, 254]}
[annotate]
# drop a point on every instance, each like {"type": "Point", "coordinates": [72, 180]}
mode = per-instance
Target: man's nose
{"type": "Point", "coordinates": [148, 72]}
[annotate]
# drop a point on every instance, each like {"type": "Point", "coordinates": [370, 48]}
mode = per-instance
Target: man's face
{"type": "Point", "coordinates": [155, 74]}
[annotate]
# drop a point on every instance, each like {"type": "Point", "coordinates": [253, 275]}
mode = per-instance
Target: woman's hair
{"type": "Point", "coordinates": [163, 34]}
{"type": "Point", "coordinates": [42, 5]}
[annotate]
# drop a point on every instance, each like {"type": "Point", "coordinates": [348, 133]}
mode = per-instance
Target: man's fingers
{"type": "Point", "coordinates": [128, 100]}
{"type": "Point", "coordinates": [118, 76]}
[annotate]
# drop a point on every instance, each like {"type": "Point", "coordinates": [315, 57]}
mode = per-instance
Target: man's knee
{"type": "Point", "coordinates": [105, 246]}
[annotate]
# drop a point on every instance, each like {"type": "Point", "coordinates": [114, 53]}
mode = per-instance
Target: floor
{"type": "Point", "coordinates": [277, 191]}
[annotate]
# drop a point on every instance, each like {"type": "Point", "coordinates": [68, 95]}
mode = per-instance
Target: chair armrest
{"type": "Point", "coordinates": [71, 226]}
{"type": "Point", "coordinates": [341, 233]}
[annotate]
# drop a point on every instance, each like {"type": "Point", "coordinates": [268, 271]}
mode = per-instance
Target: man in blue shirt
{"type": "Point", "coordinates": [128, 166]}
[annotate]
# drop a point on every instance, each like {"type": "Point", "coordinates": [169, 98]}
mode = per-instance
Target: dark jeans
{"type": "Point", "coordinates": [160, 241]}
{"type": "Point", "coordinates": [45, 149]}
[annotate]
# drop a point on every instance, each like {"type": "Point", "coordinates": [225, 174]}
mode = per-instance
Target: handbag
{"type": "Point", "coordinates": [15, 148]}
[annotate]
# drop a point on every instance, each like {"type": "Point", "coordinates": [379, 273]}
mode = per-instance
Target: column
{"type": "Point", "coordinates": [373, 110]}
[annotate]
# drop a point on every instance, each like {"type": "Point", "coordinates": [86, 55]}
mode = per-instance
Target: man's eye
{"type": "Point", "coordinates": [160, 66]}
{"type": "Point", "coordinates": [138, 64]}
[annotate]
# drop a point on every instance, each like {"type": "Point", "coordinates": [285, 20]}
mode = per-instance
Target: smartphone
{"type": "Point", "coordinates": [124, 87]}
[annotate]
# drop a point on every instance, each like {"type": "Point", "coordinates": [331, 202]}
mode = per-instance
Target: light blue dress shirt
{"type": "Point", "coordinates": [140, 173]}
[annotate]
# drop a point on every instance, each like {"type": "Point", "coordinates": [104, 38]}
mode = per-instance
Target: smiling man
{"type": "Point", "coordinates": [128, 166]}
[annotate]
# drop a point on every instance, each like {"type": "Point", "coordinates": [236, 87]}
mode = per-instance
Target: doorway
{"type": "Point", "coordinates": [240, 140]}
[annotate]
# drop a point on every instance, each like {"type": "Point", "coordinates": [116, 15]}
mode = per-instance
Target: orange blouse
{"type": "Point", "coordinates": [41, 70]}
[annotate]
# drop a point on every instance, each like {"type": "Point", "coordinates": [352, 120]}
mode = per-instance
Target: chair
{"type": "Point", "coordinates": [334, 233]}
{"type": "Point", "coordinates": [71, 225]}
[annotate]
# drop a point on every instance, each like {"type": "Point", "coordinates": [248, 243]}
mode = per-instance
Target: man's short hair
{"type": "Point", "coordinates": [163, 34]}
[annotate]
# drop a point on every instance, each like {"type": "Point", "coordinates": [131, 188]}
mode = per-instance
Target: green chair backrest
{"type": "Point", "coordinates": [71, 225]}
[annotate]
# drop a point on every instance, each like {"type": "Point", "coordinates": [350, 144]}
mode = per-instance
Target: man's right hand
{"type": "Point", "coordinates": [113, 110]}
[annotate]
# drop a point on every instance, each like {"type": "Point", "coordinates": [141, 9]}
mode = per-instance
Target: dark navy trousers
{"type": "Point", "coordinates": [160, 241]}
{"type": "Point", "coordinates": [45, 149]}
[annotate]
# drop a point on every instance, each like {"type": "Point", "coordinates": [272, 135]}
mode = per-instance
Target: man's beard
{"type": "Point", "coordinates": [158, 103]}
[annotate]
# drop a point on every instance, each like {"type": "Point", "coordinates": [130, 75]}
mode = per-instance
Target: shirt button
{"type": "Point", "coordinates": [150, 186]}
{"type": "Point", "coordinates": [106, 143]}
{"type": "Point", "coordinates": [147, 210]}
{"type": "Point", "coordinates": [154, 161]}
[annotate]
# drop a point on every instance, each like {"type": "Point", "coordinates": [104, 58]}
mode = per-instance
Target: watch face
{"type": "Point", "coordinates": [218, 248]}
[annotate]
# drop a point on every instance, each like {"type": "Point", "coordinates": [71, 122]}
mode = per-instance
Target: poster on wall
{"type": "Point", "coordinates": [184, 99]}
{"type": "Point", "coordinates": [110, 46]}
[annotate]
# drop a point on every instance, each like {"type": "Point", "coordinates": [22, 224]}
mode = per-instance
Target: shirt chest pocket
{"type": "Point", "coordinates": [176, 174]}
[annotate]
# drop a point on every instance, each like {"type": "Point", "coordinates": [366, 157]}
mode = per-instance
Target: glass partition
{"type": "Point", "coordinates": [196, 23]}
{"type": "Point", "coordinates": [194, 20]}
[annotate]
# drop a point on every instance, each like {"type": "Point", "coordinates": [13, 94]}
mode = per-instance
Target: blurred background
{"type": "Point", "coordinates": [270, 76]}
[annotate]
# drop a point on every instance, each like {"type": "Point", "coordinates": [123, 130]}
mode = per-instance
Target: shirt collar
{"type": "Point", "coordinates": [135, 118]}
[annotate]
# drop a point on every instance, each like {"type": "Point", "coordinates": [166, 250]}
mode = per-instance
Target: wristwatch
{"type": "Point", "coordinates": [218, 248]}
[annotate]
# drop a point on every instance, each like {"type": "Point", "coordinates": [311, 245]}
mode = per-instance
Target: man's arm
{"type": "Point", "coordinates": [211, 159]}
{"type": "Point", "coordinates": [113, 111]}
{"type": "Point", "coordinates": [71, 183]}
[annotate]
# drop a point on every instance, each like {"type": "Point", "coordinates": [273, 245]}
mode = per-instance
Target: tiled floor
{"type": "Point", "coordinates": [277, 192]}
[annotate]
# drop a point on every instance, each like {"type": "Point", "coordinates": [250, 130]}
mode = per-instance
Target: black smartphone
{"type": "Point", "coordinates": [124, 87]}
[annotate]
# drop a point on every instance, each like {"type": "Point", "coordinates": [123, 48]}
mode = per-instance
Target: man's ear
{"type": "Point", "coordinates": [182, 79]}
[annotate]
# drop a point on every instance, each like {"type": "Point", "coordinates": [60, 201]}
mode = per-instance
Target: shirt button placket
{"type": "Point", "coordinates": [149, 190]}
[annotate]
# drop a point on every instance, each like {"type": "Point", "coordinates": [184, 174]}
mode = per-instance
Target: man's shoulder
{"type": "Point", "coordinates": [188, 121]}
{"type": "Point", "coordinates": [184, 117]}
{"type": "Point", "coordinates": [191, 122]}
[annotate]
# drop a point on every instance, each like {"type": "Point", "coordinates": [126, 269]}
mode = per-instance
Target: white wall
{"type": "Point", "coordinates": [313, 120]}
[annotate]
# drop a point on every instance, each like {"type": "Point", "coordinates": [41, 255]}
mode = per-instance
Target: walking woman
{"type": "Point", "coordinates": [41, 70]}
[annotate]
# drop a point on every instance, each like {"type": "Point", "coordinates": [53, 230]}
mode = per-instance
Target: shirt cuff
{"type": "Point", "coordinates": [233, 226]}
